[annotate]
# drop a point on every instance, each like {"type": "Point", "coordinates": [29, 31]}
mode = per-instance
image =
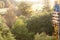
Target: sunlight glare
{"type": "Point", "coordinates": [37, 7]}
{"type": "Point", "coordinates": [27, 0]}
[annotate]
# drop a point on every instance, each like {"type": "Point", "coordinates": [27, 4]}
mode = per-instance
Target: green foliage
{"type": "Point", "coordinates": [43, 36]}
{"type": "Point", "coordinates": [20, 30]}
{"type": "Point", "coordinates": [40, 23]}
{"type": "Point", "coordinates": [24, 27]}
{"type": "Point", "coordinates": [5, 33]}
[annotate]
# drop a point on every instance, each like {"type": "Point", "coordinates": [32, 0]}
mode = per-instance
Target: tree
{"type": "Point", "coordinates": [40, 23]}
{"type": "Point", "coordinates": [25, 8]}
{"type": "Point", "coordinates": [20, 30]}
{"type": "Point", "coordinates": [5, 33]}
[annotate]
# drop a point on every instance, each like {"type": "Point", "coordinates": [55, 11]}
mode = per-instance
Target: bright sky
{"type": "Point", "coordinates": [38, 3]}
{"type": "Point", "coordinates": [28, 0]}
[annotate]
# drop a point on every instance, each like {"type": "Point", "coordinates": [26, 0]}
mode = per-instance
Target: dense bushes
{"type": "Point", "coordinates": [26, 28]}
{"type": "Point", "coordinates": [5, 32]}
{"type": "Point", "coordinates": [43, 36]}
{"type": "Point", "coordinates": [40, 23]}
{"type": "Point", "coordinates": [20, 30]}
{"type": "Point", "coordinates": [27, 24]}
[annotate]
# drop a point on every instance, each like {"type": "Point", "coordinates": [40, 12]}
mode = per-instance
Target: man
{"type": "Point", "coordinates": [56, 7]}
{"type": "Point", "coordinates": [59, 7]}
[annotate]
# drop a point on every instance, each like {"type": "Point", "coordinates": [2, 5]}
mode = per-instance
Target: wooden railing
{"type": "Point", "coordinates": [56, 23]}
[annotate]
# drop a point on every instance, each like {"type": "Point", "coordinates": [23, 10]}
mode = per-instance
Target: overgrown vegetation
{"type": "Point", "coordinates": [41, 23]}
{"type": "Point", "coordinates": [26, 25]}
{"type": "Point", "coordinates": [43, 36]}
{"type": "Point", "coordinates": [21, 31]}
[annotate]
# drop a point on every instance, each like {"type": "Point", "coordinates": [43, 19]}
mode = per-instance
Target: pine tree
{"type": "Point", "coordinates": [5, 33]}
